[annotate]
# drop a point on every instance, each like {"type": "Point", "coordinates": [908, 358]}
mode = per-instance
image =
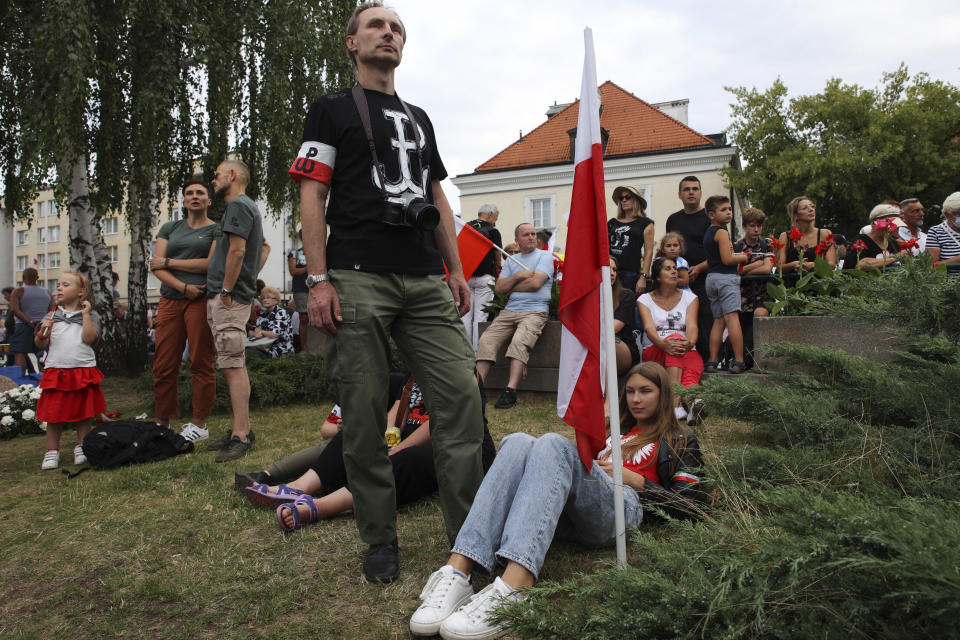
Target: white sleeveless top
{"type": "Point", "coordinates": [668, 322]}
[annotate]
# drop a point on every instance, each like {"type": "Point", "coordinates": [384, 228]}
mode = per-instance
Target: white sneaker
{"type": "Point", "coordinates": [697, 412]}
{"type": "Point", "coordinates": [470, 622]}
{"type": "Point", "coordinates": [193, 433]}
{"type": "Point", "coordinates": [78, 456]}
{"type": "Point", "coordinates": [51, 460]}
{"type": "Point", "coordinates": [443, 594]}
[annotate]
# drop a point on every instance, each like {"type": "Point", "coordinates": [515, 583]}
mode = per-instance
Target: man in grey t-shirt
{"type": "Point", "coordinates": [29, 303]}
{"type": "Point", "coordinates": [239, 255]}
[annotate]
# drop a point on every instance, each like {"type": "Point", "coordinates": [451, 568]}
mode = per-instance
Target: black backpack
{"type": "Point", "coordinates": [122, 442]}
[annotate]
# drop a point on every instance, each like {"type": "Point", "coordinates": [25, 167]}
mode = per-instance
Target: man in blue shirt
{"type": "Point", "coordinates": [522, 320]}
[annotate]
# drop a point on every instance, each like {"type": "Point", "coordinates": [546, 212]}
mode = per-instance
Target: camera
{"type": "Point", "coordinates": [410, 210]}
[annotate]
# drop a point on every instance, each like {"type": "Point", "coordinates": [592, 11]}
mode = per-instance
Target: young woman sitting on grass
{"type": "Point", "coordinates": [411, 455]}
{"type": "Point", "coordinates": [538, 488]}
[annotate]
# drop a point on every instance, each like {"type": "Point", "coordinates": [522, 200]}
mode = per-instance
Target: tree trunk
{"type": "Point", "coordinates": [88, 255]}
{"type": "Point", "coordinates": [143, 206]}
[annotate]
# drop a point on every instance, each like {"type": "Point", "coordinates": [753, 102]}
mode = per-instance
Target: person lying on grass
{"type": "Point", "coordinates": [538, 488]}
{"type": "Point", "coordinates": [411, 455]}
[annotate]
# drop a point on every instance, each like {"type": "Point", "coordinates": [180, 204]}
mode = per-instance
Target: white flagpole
{"type": "Point", "coordinates": [613, 404]}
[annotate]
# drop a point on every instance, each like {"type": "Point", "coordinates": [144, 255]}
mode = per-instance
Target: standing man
{"type": "Point", "coordinates": [692, 223]}
{"type": "Point", "coordinates": [29, 304]}
{"type": "Point", "coordinates": [239, 255]}
{"type": "Point", "coordinates": [522, 320]}
{"type": "Point", "coordinates": [486, 274]}
{"type": "Point", "coordinates": [380, 275]}
{"type": "Point", "coordinates": [911, 212]}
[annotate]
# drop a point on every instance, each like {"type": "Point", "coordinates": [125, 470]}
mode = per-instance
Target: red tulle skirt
{"type": "Point", "coordinates": [70, 395]}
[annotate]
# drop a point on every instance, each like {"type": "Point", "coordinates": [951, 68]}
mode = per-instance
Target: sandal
{"type": "Point", "coordinates": [710, 367]}
{"type": "Point", "coordinates": [736, 367]}
{"type": "Point", "coordinates": [260, 494]}
{"type": "Point", "coordinates": [292, 507]}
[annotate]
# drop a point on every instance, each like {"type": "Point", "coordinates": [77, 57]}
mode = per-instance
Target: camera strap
{"type": "Point", "coordinates": [360, 100]}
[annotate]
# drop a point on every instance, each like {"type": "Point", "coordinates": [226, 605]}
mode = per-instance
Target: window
{"type": "Point", "coordinates": [53, 260]}
{"type": "Point", "coordinates": [540, 212]}
{"type": "Point", "coordinates": [152, 282]}
{"type": "Point", "coordinates": [109, 226]}
{"type": "Point", "coordinates": [23, 237]}
{"type": "Point", "coordinates": [113, 253]}
{"type": "Point", "coordinates": [21, 263]}
{"type": "Point", "coordinates": [41, 261]}
{"type": "Point", "coordinates": [51, 286]}
{"type": "Point", "coordinates": [48, 209]}
{"type": "Point", "coordinates": [54, 234]}
{"type": "Point", "coordinates": [42, 235]}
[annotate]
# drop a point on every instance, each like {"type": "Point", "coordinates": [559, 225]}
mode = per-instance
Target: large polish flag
{"type": "Point", "coordinates": [473, 246]}
{"type": "Point", "coordinates": [582, 356]}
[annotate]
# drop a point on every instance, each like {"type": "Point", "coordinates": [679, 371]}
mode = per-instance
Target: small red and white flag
{"type": "Point", "coordinates": [582, 355]}
{"type": "Point", "coordinates": [473, 246]}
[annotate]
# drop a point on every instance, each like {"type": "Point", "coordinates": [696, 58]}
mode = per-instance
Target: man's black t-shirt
{"type": "Point", "coordinates": [489, 265]}
{"type": "Point", "coordinates": [335, 152]}
{"type": "Point", "coordinates": [692, 227]}
{"type": "Point", "coordinates": [626, 242]}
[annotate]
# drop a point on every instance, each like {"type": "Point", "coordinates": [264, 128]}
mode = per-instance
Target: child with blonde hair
{"type": "Point", "coordinates": [71, 381]}
{"type": "Point", "coordinates": [672, 246]}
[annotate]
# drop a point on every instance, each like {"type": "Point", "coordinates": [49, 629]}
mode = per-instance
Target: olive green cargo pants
{"type": "Point", "coordinates": [418, 312]}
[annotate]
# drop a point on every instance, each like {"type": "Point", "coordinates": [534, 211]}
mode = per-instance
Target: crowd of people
{"type": "Point", "coordinates": [373, 184]}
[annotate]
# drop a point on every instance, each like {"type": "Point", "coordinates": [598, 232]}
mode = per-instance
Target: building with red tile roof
{"type": "Point", "coordinates": [645, 145]}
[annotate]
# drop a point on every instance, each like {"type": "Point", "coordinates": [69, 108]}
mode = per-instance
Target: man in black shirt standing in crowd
{"type": "Point", "coordinates": [692, 223]}
{"type": "Point", "coordinates": [381, 275]}
{"type": "Point", "coordinates": [486, 274]}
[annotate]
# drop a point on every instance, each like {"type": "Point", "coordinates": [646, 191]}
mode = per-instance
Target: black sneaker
{"type": "Point", "coordinates": [236, 448]}
{"type": "Point", "coordinates": [243, 480]}
{"type": "Point", "coordinates": [507, 399]}
{"type": "Point", "coordinates": [220, 443]}
{"type": "Point", "coordinates": [381, 563]}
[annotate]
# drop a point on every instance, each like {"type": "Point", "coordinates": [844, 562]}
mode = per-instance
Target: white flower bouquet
{"type": "Point", "coordinates": [18, 408]}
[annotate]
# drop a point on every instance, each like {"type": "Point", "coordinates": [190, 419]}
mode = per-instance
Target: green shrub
{"type": "Point", "coordinates": [289, 380]}
{"type": "Point", "coordinates": [814, 565]}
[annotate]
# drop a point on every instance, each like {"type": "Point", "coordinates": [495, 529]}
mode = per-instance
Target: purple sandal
{"type": "Point", "coordinates": [259, 494]}
{"type": "Point", "coordinates": [292, 507]}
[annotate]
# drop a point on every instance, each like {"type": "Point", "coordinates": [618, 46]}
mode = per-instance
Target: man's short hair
{"type": "Point", "coordinates": [543, 237]}
{"type": "Point", "coordinates": [714, 202]}
{"type": "Point", "coordinates": [753, 215]}
{"type": "Point", "coordinates": [353, 24]}
{"type": "Point", "coordinates": [30, 275]}
{"type": "Point", "coordinates": [905, 203]}
{"type": "Point", "coordinates": [516, 230]}
{"type": "Point", "coordinates": [688, 179]}
{"type": "Point", "coordinates": [488, 208]}
{"type": "Point", "coordinates": [241, 169]}
{"type": "Point", "coordinates": [200, 181]}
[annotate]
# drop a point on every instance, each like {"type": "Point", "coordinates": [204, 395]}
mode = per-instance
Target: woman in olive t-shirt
{"type": "Point", "coordinates": [180, 263]}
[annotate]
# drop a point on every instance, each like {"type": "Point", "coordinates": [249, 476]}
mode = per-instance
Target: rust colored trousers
{"type": "Point", "coordinates": [179, 322]}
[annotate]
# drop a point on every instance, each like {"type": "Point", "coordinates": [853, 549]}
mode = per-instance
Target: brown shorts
{"type": "Point", "coordinates": [229, 328]}
{"type": "Point", "coordinates": [522, 328]}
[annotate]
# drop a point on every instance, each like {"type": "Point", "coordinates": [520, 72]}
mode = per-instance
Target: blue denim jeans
{"type": "Point", "coordinates": [535, 489]}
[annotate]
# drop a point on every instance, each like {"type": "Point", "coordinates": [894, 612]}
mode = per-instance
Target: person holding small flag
{"type": "Point", "coordinates": [485, 275]}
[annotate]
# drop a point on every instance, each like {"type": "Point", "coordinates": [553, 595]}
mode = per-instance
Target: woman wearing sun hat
{"type": "Point", "coordinates": [631, 237]}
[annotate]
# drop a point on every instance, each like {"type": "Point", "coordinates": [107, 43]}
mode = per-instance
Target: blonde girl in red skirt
{"type": "Point", "coordinates": [71, 381]}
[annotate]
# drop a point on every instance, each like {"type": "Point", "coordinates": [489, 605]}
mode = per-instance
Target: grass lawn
{"type": "Point", "coordinates": [171, 550]}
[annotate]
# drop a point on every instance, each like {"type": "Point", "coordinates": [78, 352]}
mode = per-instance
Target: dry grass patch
{"type": "Point", "coordinates": [171, 550]}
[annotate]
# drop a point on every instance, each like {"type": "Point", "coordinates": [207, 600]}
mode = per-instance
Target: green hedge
{"type": "Point", "coordinates": [288, 380]}
{"type": "Point", "coordinates": [839, 516]}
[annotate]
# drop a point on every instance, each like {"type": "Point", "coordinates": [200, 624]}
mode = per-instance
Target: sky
{"type": "Point", "coordinates": [485, 70]}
